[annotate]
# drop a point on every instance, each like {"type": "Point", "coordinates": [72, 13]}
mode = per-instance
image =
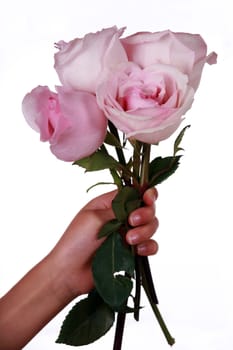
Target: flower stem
{"type": "Point", "coordinates": [119, 151]}
{"type": "Point", "coordinates": [146, 276]}
{"type": "Point", "coordinates": [169, 338]}
{"type": "Point", "coordinates": [136, 161]}
{"type": "Point", "coordinates": [120, 155]}
{"type": "Point", "coordinates": [138, 282]}
{"type": "Point", "coordinates": [116, 178]}
{"type": "Point", "coordinates": [119, 330]}
{"type": "Point", "coordinates": [159, 318]}
{"type": "Point", "coordinates": [150, 292]}
{"type": "Point", "coordinates": [145, 166]}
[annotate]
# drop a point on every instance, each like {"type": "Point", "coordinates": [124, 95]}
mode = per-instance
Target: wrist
{"type": "Point", "coordinates": [57, 274]}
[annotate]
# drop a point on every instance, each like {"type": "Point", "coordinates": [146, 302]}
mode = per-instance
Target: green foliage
{"type": "Point", "coordinates": [100, 183]}
{"type": "Point", "coordinates": [112, 140]}
{"type": "Point", "coordinates": [87, 321]}
{"type": "Point", "coordinates": [110, 227]}
{"type": "Point", "coordinates": [161, 168]}
{"type": "Point", "coordinates": [113, 266]}
{"type": "Point", "coordinates": [178, 140]}
{"type": "Point", "coordinates": [98, 161]}
{"type": "Point", "coordinates": [127, 200]}
{"type": "Point", "coordinates": [110, 259]}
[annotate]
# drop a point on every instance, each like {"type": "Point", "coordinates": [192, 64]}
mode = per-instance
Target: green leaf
{"type": "Point", "coordinates": [87, 321]}
{"type": "Point", "coordinates": [161, 168]}
{"type": "Point", "coordinates": [127, 200]}
{"type": "Point", "coordinates": [98, 161]}
{"type": "Point", "coordinates": [110, 227]}
{"type": "Point", "coordinates": [132, 205]}
{"type": "Point", "coordinates": [111, 259]}
{"type": "Point", "coordinates": [112, 140]}
{"type": "Point", "coordinates": [179, 139]}
{"type": "Point", "coordinates": [128, 309]}
{"type": "Point", "coordinates": [100, 183]}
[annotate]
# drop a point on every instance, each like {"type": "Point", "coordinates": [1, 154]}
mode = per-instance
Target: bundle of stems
{"type": "Point", "coordinates": [143, 276]}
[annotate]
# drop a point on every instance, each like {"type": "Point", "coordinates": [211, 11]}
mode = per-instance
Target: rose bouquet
{"type": "Point", "coordinates": [118, 98]}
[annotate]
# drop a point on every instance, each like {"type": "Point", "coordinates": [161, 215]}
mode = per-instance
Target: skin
{"type": "Point", "coordinates": [65, 273]}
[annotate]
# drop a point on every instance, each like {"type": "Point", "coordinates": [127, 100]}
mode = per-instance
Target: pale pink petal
{"type": "Point", "coordinates": [87, 129]}
{"type": "Point", "coordinates": [70, 120]}
{"type": "Point", "coordinates": [80, 61]}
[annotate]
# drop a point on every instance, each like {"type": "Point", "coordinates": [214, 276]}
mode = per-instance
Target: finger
{"type": "Point", "coordinates": [150, 196]}
{"type": "Point", "coordinates": [142, 216]}
{"type": "Point", "coordinates": [149, 247]}
{"type": "Point", "coordinates": [140, 234]}
{"type": "Point", "coordinates": [103, 201]}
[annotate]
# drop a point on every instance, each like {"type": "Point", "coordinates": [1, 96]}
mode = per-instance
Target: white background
{"type": "Point", "coordinates": [39, 195]}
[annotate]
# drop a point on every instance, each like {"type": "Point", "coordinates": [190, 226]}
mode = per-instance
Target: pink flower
{"type": "Point", "coordinates": [146, 104]}
{"type": "Point", "coordinates": [80, 61]}
{"type": "Point", "coordinates": [147, 96]}
{"type": "Point", "coordinates": [144, 83]}
{"type": "Point", "coordinates": [184, 51]}
{"type": "Point", "coordinates": [70, 120]}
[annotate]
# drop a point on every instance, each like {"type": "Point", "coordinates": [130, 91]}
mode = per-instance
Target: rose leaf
{"type": "Point", "coordinates": [87, 321]}
{"type": "Point", "coordinates": [111, 259]}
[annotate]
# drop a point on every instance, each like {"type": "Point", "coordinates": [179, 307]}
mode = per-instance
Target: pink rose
{"type": "Point", "coordinates": [146, 104]}
{"type": "Point", "coordinates": [80, 61]}
{"type": "Point", "coordinates": [144, 83]}
{"type": "Point", "coordinates": [70, 120]}
{"type": "Point", "coordinates": [147, 96]}
{"type": "Point", "coordinates": [186, 52]}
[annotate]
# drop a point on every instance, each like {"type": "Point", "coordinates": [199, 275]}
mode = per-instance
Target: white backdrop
{"type": "Point", "coordinates": [39, 195]}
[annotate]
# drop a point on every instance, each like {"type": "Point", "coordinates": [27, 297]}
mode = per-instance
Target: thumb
{"type": "Point", "coordinates": [103, 201]}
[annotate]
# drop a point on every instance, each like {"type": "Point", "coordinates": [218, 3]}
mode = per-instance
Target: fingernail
{"type": "Point", "coordinates": [132, 238]}
{"type": "Point", "coordinates": [153, 194]}
{"type": "Point", "coordinates": [135, 219]}
{"type": "Point", "coordinates": [142, 249]}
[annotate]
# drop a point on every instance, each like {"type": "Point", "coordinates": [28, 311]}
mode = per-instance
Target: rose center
{"type": "Point", "coordinates": [53, 109]}
{"type": "Point", "coordinates": [142, 97]}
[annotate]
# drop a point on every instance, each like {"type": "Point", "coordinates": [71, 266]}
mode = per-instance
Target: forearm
{"type": "Point", "coordinates": [30, 305]}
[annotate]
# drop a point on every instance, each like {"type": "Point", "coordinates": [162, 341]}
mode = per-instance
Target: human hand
{"type": "Point", "coordinates": [72, 256]}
